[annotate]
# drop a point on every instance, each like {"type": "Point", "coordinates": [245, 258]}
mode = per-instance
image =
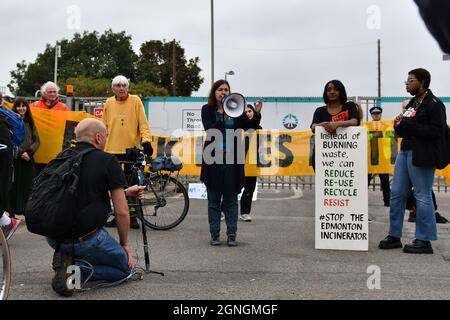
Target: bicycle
{"type": "Point", "coordinates": [5, 270]}
{"type": "Point", "coordinates": [166, 201]}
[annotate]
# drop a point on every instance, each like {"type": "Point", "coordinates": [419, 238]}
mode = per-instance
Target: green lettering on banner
{"type": "Point", "coordinates": [374, 153]}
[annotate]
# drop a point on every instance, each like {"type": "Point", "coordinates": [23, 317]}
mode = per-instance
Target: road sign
{"type": "Point", "coordinates": [98, 112]}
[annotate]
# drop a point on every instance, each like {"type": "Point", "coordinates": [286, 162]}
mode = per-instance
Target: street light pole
{"type": "Point", "coordinates": [212, 42]}
{"type": "Point", "coordinates": [57, 55]}
{"type": "Point", "coordinates": [231, 73]}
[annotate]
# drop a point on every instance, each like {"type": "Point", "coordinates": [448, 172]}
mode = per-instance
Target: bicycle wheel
{"type": "Point", "coordinates": [5, 267]}
{"type": "Point", "coordinates": [165, 202]}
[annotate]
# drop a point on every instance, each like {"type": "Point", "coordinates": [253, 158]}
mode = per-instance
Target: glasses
{"type": "Point", "coordinates": [410, 80]}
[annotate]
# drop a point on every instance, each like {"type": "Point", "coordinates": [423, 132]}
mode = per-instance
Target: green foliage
{"type": "Point", "coordinates": [89, 61]}
{"type": "Point", "coordinates": [147, 89]}
{"type": "Point", "coordinates": [156, 64]}
{"type": "Point", "coordinates": [89, 87]}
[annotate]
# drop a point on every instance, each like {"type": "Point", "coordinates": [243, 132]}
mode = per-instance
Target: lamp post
{"type": "Point", "coordinates": [231, 73]}
{"type": "Point", "coordinates": [57, 55]}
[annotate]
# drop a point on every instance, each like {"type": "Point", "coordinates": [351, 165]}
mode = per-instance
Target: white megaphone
{"type": "Point", "coordinates": [234, 105]}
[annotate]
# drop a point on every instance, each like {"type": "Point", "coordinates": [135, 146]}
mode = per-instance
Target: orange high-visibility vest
{"type": "Point", "coordinates": [57, 106]}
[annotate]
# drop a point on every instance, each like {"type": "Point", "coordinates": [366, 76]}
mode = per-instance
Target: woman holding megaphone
{"type": "Point", "coordinates": [222, 169]}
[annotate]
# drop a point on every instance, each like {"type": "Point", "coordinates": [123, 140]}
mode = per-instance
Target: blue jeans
{"type": "Point", "coordinates": [229, 204]}
{"type": "Point", "coordinates": [107, 257]}
{"type": "Point", "coordinates": [406, 175]}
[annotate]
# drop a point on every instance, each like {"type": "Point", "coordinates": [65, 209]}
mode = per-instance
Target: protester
{"type": "Point", "coordinates": [99, 256]}
{"type": "Point", "coordinates": [50, 98]}
{"type": "Point", "coordinates": [250, 182]}
{"type": "Point", "coordinates": [421, 126]}
{"type": "Point", "coordinates": [127, 126]}
{"type": "Point", "coordinates": [24, 168]}
{"type": "Point", "coordinates": [337, 111]}
{"type": "Point", "coordinates": [222, 170]}
{"type": "Point", "coordinates": [9, 225]}
{"type": "Point", "coordinates": [376, 113]}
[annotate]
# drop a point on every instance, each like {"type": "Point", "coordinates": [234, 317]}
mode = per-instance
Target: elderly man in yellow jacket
{"type": "Point", "coordinates": [127, 126]}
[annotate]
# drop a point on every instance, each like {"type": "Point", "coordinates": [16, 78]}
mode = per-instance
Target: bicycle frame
{"type": "Point", "coordinates": [5, 275]}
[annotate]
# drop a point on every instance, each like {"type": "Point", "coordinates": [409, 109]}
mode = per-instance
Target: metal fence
{"type": "Point", "coordinates": [308, 182]}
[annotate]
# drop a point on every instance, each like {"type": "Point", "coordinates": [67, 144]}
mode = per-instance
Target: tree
{"type": "Point", "coordinates": [89, 87]}
{"type": "Point", "coordinates": [89, 56]}
{"type": "Point", "coordinates": [156, 62]}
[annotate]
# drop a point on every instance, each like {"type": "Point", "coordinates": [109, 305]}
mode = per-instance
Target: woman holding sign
{"type": "Point", "coordinates": [337, 111]}
{"type": "Point", "coordinates": [223, 180]}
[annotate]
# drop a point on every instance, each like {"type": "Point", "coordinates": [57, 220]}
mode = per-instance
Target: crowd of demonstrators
{"type": "Point", "coordinates": [124, 125]}
{"type": "Point", "coordinates": [127, 127]}
{"type": "Point", "coordinates": [99, 256]}
{"type": "Point", "coordinates": [376, 113]}
{"type": "Point", "coordinates": [223, 180]}
{"type": "Point", "coordinates": [9, 225]}
{"type": "Point", "coordinates": [421, 126]}
{"type": "Point", "coordinates": [50, 98]}
{"type": "Point", "coordinates": [250, 182]}
{"type": "Point", "coordinates": [24, 167]}
{"type": "Point", "coordinates": [337, 112]}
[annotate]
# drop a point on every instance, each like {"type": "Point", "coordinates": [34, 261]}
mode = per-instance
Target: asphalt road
{"type": "Point", "coordinates": [275, 259]}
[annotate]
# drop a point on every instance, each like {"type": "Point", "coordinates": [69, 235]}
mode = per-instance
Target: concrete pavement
{"type": "Point", "coordinates": [275, 259]}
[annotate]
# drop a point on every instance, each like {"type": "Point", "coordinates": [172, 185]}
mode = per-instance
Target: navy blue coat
{"type": "Point", "coordinates": [211, 175]}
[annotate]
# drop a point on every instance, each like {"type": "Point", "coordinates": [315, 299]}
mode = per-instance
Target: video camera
{"type": "Point", "coordinates": [135, 155]}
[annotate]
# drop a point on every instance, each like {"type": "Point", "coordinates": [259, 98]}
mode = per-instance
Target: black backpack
{"type": "Point", "coordinates": [443, 150]}
{"type": "Point", "coordinates": [52, 205]}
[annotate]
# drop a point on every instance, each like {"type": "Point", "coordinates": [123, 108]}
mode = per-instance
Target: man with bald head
{"type": "Point", "coordinates": [98, 255]}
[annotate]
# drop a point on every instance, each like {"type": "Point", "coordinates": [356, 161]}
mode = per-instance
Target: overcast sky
{"type": "Point", "coordinates": [275, 47]}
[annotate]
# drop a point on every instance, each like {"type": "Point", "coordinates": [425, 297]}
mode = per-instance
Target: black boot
{"type": "Point", "coordinates": [440, 219]}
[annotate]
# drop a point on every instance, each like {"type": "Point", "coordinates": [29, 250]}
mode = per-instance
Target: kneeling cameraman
{"type": "Point", "coordinates": [99, 256]}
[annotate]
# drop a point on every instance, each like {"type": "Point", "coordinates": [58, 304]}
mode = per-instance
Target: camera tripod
{"type": "Point", "coordinates": [139, 214]}
{"type": "Point", "coordinates": [136, 176]}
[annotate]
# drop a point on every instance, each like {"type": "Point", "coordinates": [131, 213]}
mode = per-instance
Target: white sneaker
{"type": "Point", "coordinates": [245, 217]}
{"type": "Point", "coordinates": [222, 216]}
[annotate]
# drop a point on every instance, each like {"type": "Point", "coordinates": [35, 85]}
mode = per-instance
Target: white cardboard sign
{"type": "Point", "coordinates": [198, 191]}
{"type": "Point", "coordinates": [341, 189]}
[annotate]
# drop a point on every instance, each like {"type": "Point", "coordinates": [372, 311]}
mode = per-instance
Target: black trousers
{"type": "Point", "coordinates": [411, 201]}
{"type": "Point", "coordinates": [385, 186]}
{"type": "Point", "coordinates": [247, 195]}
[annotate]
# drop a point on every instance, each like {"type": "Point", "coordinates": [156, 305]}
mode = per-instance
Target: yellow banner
{"type": "Point", "coordinates": [56, 131]}
{"type": "Point", "coordinates": [267, 152]}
